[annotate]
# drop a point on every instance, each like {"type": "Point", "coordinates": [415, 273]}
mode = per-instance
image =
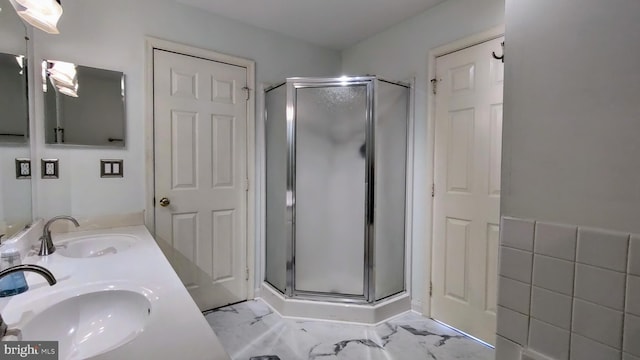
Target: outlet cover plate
{"type": "Point", "coordinates": [23, 168]}
{"type": "Point", "coordinates": [111, 168]}
{"type": "Point", "coordinates": [50, 168]}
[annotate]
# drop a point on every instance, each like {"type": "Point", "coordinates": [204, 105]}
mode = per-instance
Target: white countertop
{"type": "Point", "coordinates": [175, 329]}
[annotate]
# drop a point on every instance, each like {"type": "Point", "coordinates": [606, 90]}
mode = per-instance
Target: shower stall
{"type": "Point", "coordinates": [336, 165]}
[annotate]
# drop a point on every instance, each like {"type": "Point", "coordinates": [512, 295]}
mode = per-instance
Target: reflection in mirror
{"type": "Point", "coordinates": [14, 123]}
{"type": "Point", "coordinates": [15, 193]}
{"type": "Point", "coordinates": [83, 105]}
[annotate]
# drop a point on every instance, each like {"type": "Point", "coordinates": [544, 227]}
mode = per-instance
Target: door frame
{"type": "Point", "coordinates": [152, 43]}
{"type": "Point", "coordinates": [435, 53]}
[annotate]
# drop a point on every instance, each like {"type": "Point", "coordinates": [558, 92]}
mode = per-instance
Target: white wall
{"type": "Point", "coordinates": [12, 31]}
{"type": "Point", "coordinates": [572, 112]}
{"type": "Point", "coordinates": [401, 53]}
{"type": "Point", "coordinates": [15, 194]}
{"type": "Point", "coordinates": [111, 35]}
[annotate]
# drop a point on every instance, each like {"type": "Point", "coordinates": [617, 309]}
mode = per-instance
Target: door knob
{"type": "Point", "coordinates": [164, 202]}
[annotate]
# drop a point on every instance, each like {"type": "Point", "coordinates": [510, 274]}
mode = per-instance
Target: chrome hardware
{"type": "Point", "coordinates": [42, 271]}
{"type": "Point", "coordinates": [30, 268]}
{"type": "Point", "coordinates": [46, 244]}
{"type": "Point", "coordinates": [434, 86]}
{"type": "Point", "coordinates": [248, 91]}
{"type": "Point", "coordinates": [164, 202]}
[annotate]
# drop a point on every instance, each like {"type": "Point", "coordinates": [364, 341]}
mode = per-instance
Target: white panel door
{"type": "Point", "coordinates": [200, 120]}
{"type": "Point", "coordinates": [468, 138]}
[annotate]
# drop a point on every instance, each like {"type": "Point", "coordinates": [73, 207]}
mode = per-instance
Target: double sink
{"type": "Point", "coordinates": [86, 319]}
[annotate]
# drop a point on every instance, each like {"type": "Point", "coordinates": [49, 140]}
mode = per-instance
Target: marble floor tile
{"type": "Point", "coordinates": [252, 331]}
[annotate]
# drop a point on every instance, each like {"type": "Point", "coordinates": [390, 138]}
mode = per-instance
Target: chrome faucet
{"type": "Point", "coordinates": [46, 245]}
{"type": "Point", "coordinates": [25, 267]}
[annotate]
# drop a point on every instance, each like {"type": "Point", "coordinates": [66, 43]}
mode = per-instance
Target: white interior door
{"type": "Point", "coordinates": [200, 120]}
{"type": "Point", "coordinates": [468, 138]}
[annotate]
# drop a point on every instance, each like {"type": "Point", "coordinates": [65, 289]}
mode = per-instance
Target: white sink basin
{"type": "Point", "coordinates": [90, 324]}
{"type": "Point", "coordinates": [95, 246]}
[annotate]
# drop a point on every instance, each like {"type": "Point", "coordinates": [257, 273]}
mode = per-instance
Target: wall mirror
{"type": "Point", "coordinates": [14, 119]}
{"type": "Point", "coordinates": [83, 105]}
{"type": "Point", "coordinates": [15, 189]}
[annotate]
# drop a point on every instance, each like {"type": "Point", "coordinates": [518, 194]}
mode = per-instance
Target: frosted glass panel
{"type": "Point", "coordinates": [330, 189]}
{"type": "Point", "coordinates": [391, 147]}
{"type": "Point", "coordinates": [276, 172]}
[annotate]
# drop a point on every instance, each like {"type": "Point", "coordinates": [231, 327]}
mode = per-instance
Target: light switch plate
{"type": "Point", "coordinates": [23, 168]}
{"type": "Point", "coordinates": [50, 168]}
{"type": "Point", "coordinates": [111, 168]}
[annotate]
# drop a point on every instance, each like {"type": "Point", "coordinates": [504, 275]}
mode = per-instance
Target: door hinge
{"type": "Point", "coordinates": [245, 184]}
{"type": "Point", "coordinates": [430, 289]}
{"type": "Point", "coordinates": [248, 92]}
{"type": "Point", "coordinates": [433, 190]}
{"type": "Point", "coordinates": [434, 85]}
{"type": "Point", "coordinates": [246, 274]}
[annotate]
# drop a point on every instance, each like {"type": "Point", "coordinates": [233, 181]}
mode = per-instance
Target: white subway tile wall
{"type": "Point", "coordinates": [597, 323]}
{"type": "Point", "coordinates": [518, 233]}
{"type": "Point", "coordinates": [601, 286]}
{"type": "Point", "coordinates": [513, 325]}
{"type": "Point", "coordinates": [632, 334]}
{"type": "Point", "coordinates": [587, 349]}
{"type": "Point", "coordinates": [556, 240]}
{"type": "Point", "coordinates": [514, 295]}
{"type": "Point", "coordinates": [515, 264]}
{"type": "Point", "coordinates": [634, 255]}
{"type": "Point", "coordinates": [584, 288]}
{"type": "Point", "coordinates": [551, 307]}
{"type": "Point", "coordinates": [603, 248]}
{"type": "Point", "coordinates": [626, 356]}
{"type": "Point", "coordinates": [633, 295]}
{"type": "Point", "coordinates": [553, 274]}
{"type": "Point", "coordinates": [507, 349]}
{"type": "Point", "coordinates": [549, 340]}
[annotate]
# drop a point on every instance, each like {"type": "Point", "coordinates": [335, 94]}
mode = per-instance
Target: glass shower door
{"type": "Point", "coordinates": [330, 189]}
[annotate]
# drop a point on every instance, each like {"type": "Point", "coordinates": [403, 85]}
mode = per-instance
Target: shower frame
{"type": "Point", "coordinates": [370, 82]}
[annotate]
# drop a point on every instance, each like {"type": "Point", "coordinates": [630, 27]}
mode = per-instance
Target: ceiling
{"type": "Point", "coordinates": [336, 24]}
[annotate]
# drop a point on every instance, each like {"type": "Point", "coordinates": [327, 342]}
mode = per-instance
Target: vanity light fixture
{"type": "Point", "coordinates": [43, 14]}
{"type": "Point", "coordinates": [63, 76]}
{"type": "Point", "coordinates": [64, 73]}
{"type": "Point", "coordinates": [21, 62]}
{"type": "Point", "coordinates": [73, 92]}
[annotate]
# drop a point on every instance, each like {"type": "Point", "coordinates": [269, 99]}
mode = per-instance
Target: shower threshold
{"type": "Point", "coordinates": [368, 314]}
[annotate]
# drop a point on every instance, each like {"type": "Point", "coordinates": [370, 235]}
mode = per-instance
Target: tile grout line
{"type": "Point", "coordinates": [626, 291]}
{"type": "Point", "coordinates": [591, 302]}
{"type": "Point", "coordinates": [533, 258]}
{"type": "Point", "coordinates": [573, 291]}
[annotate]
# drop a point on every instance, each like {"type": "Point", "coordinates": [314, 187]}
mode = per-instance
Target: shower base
{"type": "Point", "coordinates": [336, 311]}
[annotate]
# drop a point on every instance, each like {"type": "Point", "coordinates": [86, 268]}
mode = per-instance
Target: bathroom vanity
{"type": "Point", "coordinates": [116, 297]}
